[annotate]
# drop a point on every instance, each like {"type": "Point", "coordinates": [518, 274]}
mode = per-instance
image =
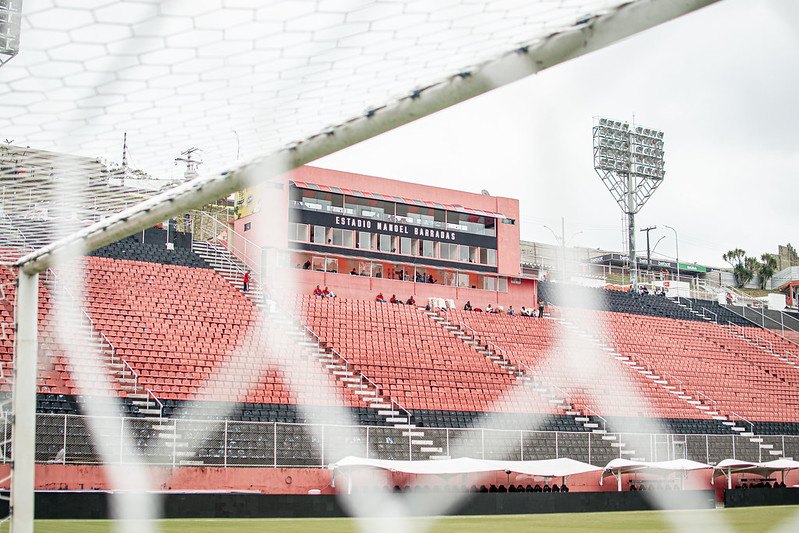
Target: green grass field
{"type": "Point", "coordinates": [761, 519]}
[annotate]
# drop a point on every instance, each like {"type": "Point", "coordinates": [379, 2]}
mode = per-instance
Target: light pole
{"type": "Point", "coordinates": [677, 251]}
{"type": "Point", "coordinates": [629, 160]}
{"type": "Point", "coordinates": [562, 241]}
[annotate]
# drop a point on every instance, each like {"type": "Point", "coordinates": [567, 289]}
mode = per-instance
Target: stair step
{"type": "Point", "coordinates": [608, 437]}
{"type": "Point", "coordinates": [581, 419]}
{"type": "Point", "coordinates": [413, 433]}
{"type": "Point", "coordinates": [728, 422]}
{"type": "Point", "coordinates": [376, 405]}
{"type": "Point", "coordinates": [776, 452]}
{"type": "Point", "coordinates": [405, 426]}
{"type": "Point", "coordinates": [365, 392]}
{"type": "Point", "coordinates": [703, 407]}
{"type": "Point", "coordinates": [150, 411]}
{"type": "Point", "coordinates": [341, 373]}
{"type": "Point", "coordinates": [766, 446]}
{"type": "Point", "coordinates": [756, 439]}
{"type": "Point", "coordinates": [590, 425]}
{"type": "Point", "coordinates": [746, 434]}
{"type": "Point", "coordinates": [626, 452]}
{"type": "Point", "coordinates": [422, 442]}
{"type": "Point", "coordinates": [388, 412]}
{"type": "Point", "coordinates": [397, 419]}
{"type": "Point", "coordinates": [617, 445]}
{"type": "Point", "coordinates": [737, 428]}
{"type": "Point", "coordinates": [430, 449]}
{"type": "Point", "coordinates": [187, 462]}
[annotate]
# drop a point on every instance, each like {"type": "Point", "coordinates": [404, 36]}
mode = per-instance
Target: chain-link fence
{"type": "Point", "coordinates": [67, 439]}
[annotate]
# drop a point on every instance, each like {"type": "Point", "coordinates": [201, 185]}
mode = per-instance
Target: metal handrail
{"type": "Point", "coordinates": [160, 405]}
{"type": "Point", "coordinates": [135, 376]}
{"type": "Point", "coordinates": [85, 314]}
{"type": "Point", "coordinates": [230, 248]}
{"type": "Point", "coordinates": [360, 373]}
{"type": "Point", "coordinates": [702, 394]}
{"type": "Point", "coordinates": [740, 329]}
{"type": "Point", "coordinates": [678, 380]}
{"type": "Point", "coordinates": [758, 338]}
{"type": "Point", "coordinates": [751, 425]}
{"type": "Point", "coordinates": [106, 339]}
{"type": "Point", "coordinates": [597, 415]}
{"type": "Point", "coordinates": [715, 316]}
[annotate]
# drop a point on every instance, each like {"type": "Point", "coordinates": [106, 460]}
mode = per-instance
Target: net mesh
{"type": "Point", "coordinates": [208, 84]}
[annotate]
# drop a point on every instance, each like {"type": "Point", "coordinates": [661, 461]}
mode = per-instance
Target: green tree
{"type": "Point", "coordinates": [742, 267]}
{"type": "Point", "coordinates": [766, 269]}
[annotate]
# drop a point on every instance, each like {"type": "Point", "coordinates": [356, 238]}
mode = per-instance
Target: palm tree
{"type": "Point", "coordinates": [766, 269]}
{"type": "Point", "coordinates": [743, 267]}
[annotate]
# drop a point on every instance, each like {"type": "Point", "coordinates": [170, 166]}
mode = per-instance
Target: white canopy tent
{"type": "Point", "coordinates": [562, 467]}
{"type": "Point", "coordinates": [728, 467]}
{"type": "Point", "coordinates": [619, 467]}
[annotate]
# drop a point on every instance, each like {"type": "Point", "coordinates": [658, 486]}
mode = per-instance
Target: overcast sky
{"type": "Point", "coordinates": [722, 83]}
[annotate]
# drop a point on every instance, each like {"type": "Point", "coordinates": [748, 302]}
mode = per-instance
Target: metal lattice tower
{"type": "Point", "coordinates": [629, 160]}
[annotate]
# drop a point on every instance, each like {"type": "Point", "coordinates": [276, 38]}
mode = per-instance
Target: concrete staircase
{"type": "Point", "coordinates": [370, 394]}
{"type": "Point", "coordinates": [704, 404]}
{"type": "Point", "coordinates": [229, 267]}
{"type": "Point", "coordinates": [554, 395]}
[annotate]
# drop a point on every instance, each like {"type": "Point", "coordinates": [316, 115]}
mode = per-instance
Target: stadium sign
{"type": "Point", "coordinates": [622, 259]}
{"type": "Point", "coordinates": [413, 231]}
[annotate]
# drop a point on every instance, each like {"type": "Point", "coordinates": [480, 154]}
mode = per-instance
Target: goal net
{"type": "Point", "coordinates": [118, 117]}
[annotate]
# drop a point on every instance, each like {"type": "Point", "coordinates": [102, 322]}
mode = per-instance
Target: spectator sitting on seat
{"type": "Point", "coordinates": [555, 487]}
{"type": "Point", "coordinates": [489, 309]}
{"type": "Point", "coordinates": [380, 297]}
{"type": "Point", "coordinates": [393, 299]}
{"type": "Point", "coordinates": [328, 293]}
{"type": "Point", "coordinates": [318, 292]}
{"type": "Point", "coordinates": [547, 488]}
{"type": "Point", "coordinates": [537, 488]}
{"type": "Point", "coordinates": [468, 306]}
{"type": "Point", "coordinates": [411, 301]}
{"type": "Point", "coordinates": [307, 265]}
{"type": "Point", "coordinates": [564, 488]}
{"type": "Point", "coordinates": [510, 310]}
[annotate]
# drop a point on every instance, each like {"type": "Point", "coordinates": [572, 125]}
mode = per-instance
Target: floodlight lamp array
{"type": "Point", "coordinates": [10, 24]}
{"type": "Point", "coordinates": [622, 149]}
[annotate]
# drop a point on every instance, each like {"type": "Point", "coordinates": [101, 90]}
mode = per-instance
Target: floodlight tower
{"type": "Point", "coordinates": [629, 160]}
{"type": "Point", "coordinates": [10, 24]}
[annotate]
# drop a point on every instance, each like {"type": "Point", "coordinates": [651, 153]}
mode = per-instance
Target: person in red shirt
{"type": "Point", "coordinates": [394, 299]}
{"type": "Point", "coordinates": [246, 281]}
{"type": "Point", "coordinates": [318, 292]}
{"type": "Point", "coordinates": [380, 297]}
